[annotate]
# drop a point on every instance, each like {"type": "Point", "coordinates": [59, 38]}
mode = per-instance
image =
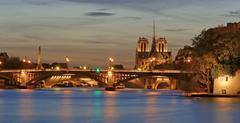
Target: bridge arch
{"type": "Point", "coordinates": [173, 78]}
{"type": "Point", "coordinates": [5, 77]}
{"type": "Point", "coordinates": [144, 76]}
{"type": "Point", "coordinates": [43, 77]}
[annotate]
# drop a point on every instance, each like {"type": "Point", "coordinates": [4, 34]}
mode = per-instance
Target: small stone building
{"type": "Point", "coordinates": [227, 84]}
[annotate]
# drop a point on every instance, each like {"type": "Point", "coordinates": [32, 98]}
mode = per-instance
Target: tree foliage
{"type": "Point", "coordinates": [215, 54]}
{"type": "Point", "coordinates": [13, 63]}
{"type": "Point", "coordinates": [118, 66]}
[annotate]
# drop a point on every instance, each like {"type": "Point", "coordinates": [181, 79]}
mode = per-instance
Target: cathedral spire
{"type": "Point", "coordinates": [153, 50]}
{"type": "Point", "coordinates": [154, 32]}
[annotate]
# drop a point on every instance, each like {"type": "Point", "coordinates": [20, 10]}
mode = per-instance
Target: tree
{"type": "Point", "coordinates": [215, 54]}
{"type": "Point", "coordinates": [118, 66]}
{"type": "Point", "coordinates": [13, 63]}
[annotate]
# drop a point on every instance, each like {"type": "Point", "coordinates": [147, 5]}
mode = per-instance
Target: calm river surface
{"type": "Point", "coordinates": [127, 106]}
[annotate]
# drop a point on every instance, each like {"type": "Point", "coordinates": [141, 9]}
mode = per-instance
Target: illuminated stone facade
{"type": "Point", "coordinates": [227, 84]}
{"type": "Point", "coordinates": [230, 27]}
{"type": "Point", "coordinates": [184, 55]}
{"type": "Point", "coordinates": [147, 58]}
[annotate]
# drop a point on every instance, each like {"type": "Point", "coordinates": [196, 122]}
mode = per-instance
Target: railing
{"type": "Point", "coordinates": [80, 70]}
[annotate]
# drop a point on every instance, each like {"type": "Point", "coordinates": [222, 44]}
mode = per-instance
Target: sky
{"type": "Point", "coordinates": [90, 31]}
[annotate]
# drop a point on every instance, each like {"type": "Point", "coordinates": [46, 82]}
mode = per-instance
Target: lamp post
{"type": "Point", "coordinates": [57, 68]}
{"type": "Point", "coordinates": [189, 60]}
{"type": "Point", "coordinates": [1, 64]}
{"type": "Point", "coordinates": [26, 63]}
{"type": "Point", "coordinates": [29, 61]}
{"type": "Point", "coordinates": [67, 61]}
{"type": "Point", "coordinates": [110, 77]}
{"type": "Point", "coordinates": [110, 63]}
{"type": "Point", "coordinates": [152, 63]}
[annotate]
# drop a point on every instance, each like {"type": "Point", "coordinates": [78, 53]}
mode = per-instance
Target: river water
{"type": "Point", "coordinates": [81, 105]}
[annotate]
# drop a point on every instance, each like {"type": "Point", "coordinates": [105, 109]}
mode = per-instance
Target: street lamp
{"type": "Point", "coordinates": [26, 63]}
{"type": "Point", "coordinates": [139, 69]}
{"type": "Point", "coordinates": [189, 60]}
{"type": "Point", "coordinates": [67, 61]}
{"type": "Point", "coordinates": [110, 62]}
{"type": "Point", "coordinates": [57, 68]}
{"type": "Point", "coordinates": [152, 60]}
{"type": "Point", "coordinates": [29, 61]}
{"type": "Point", "coordinates": [1, 64]}
{"type": "Point", "coordinates": [110, 76]}
{"type": "Point", "coordinates": [111, 59]}
{"type": "Point", "coordinates": [24, 60]}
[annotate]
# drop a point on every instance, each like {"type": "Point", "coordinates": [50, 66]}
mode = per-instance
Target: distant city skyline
{"type": "Point", "coordinates": [90, 31]}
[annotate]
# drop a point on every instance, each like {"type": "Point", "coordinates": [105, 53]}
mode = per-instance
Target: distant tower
{"type": "Point", "coordinates": [39, 64]}
{"type": "Point", "coordinates": [142, 51]}
{"type": "Point", "coordinates": [161, 45]}
{"type": "Point", "coordinates": [142, 45]}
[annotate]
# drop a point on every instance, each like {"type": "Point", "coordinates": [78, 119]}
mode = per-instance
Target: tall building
{"type": "Point", "coordinates": [147, 58]}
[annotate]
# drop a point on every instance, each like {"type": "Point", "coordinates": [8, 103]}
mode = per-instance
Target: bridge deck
{"type": "Point", "coordinates": [78, 70]}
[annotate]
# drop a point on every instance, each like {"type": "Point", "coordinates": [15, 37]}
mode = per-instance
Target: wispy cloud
{"type": "Point", "coordinates": [32, 37]}
{"type": "Point", "coordinates": [95, 42]}
{"type": "Point", "coordinates": [177, 30]}
{"type": "Point", "coordinates": [102, 9]}
{"type": "Point", "coordinates": [99, 14]}
{"type": "Point", "coordinates": [40, 2]}
{"type": "Point", "coordinates": [103, 43]}
{"type": "Point", "coordinates": [133, 17]}
{"type": "Point", "coordinates": [233, 14]}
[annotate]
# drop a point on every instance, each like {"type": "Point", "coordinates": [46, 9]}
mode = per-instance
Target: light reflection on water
{"type": "Point", "coordinates": [66, 110]}
{"type": "Point", "coordinates": [25, 108]}
{"type": "Point", "coordinates": [151, 109]}
{"type": "Point", "coordinates": [98, 106]}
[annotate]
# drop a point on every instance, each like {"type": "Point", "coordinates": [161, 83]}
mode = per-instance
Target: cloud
{"type": "Point", "coordinates": [233, 14]}
{"type": "Point", "coordinates": [176, 30]}
{"type": "Point", "coordinates": [96, 1]}
{"type": "Point", "coordinates": [95, 42]}
{"type": "Point", "coordinates": [39, 2]}
{"type": "Point", "coordinates": [133, 17]}
{"type": "Point", "coordinates": [96, 14]}
{"type": "Point", "coordinates": [102, 9]}
{"type": "Point", "coordinates": [103, 43]}
{"type": "Point", "coordinates": [32, 37]}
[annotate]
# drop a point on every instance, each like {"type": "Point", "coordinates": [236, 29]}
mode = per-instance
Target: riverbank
{"type": "Point", "coordinates": [208, 95]}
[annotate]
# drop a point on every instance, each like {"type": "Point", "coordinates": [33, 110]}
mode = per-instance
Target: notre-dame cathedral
{"type": "Point", "coordinates": [146, 58]}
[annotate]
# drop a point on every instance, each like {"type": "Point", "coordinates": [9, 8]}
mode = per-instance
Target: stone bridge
{"type": "Point", "coordinates": [31, 76]}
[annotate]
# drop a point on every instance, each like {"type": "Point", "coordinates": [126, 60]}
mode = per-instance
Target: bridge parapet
{"type": "Point", "coordinates": [33, 75]}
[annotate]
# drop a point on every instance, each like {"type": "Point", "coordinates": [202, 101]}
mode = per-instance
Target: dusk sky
{"type": "Point", "coordinates": [89, 31]}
